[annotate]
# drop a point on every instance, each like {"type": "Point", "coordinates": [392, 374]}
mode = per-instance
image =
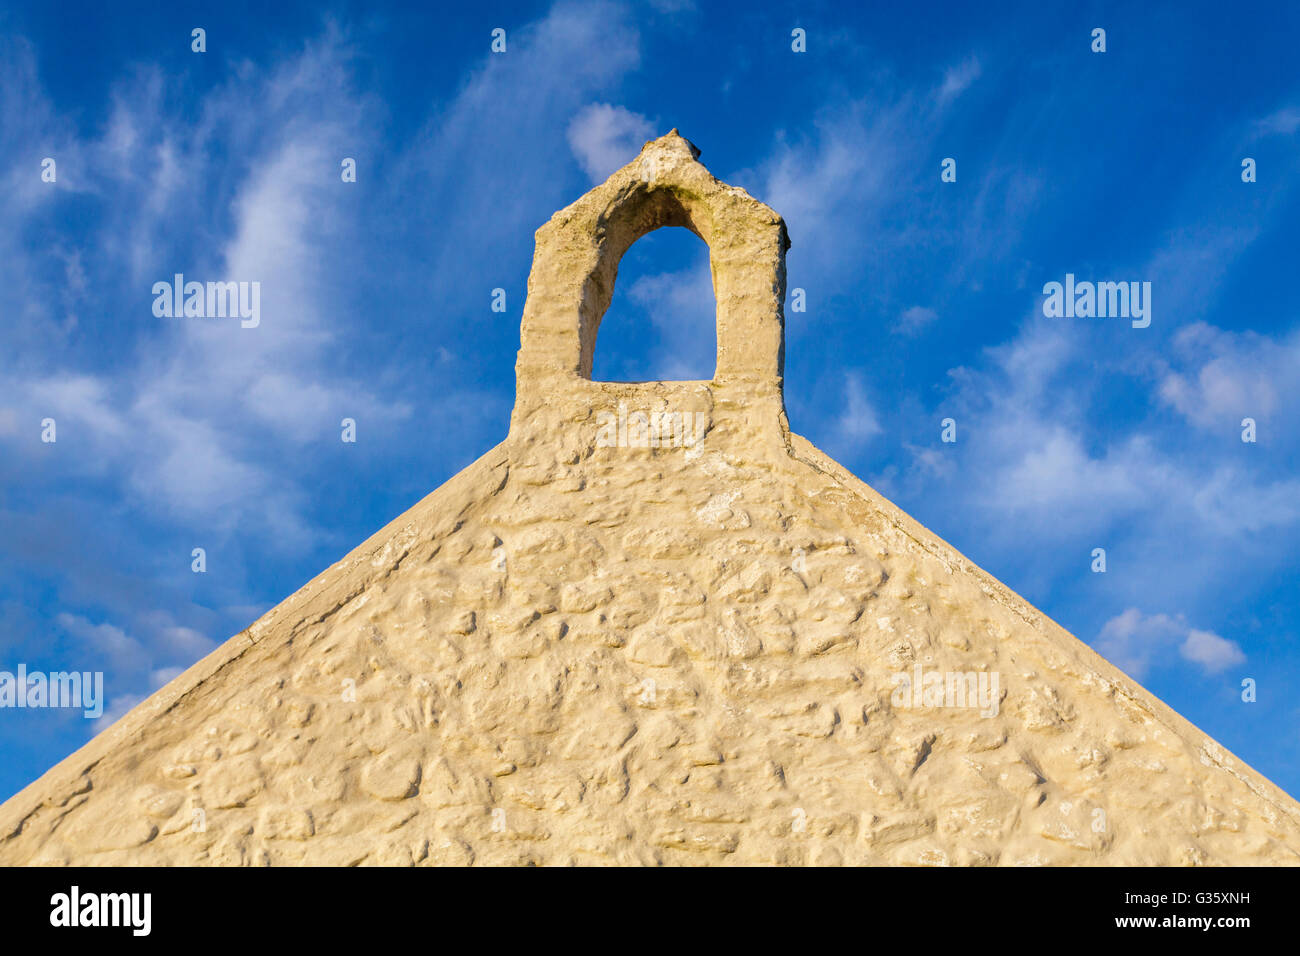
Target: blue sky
{"type": "Point", "coordinates": [924, 300]}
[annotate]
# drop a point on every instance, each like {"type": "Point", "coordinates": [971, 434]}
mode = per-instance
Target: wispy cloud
{"type": "Point", "coordinates": [957, 79]}
{"type": "Point", "coordinates": [1225, 377]}
{"type": "Point", "coordinates": [1284, 122]}
{"type": "Point", "coordinates": [858, 421]}
{"type": "Point", "coordinates": [915, 318]}
{"type": "Point", "coordinates": [205, 433]}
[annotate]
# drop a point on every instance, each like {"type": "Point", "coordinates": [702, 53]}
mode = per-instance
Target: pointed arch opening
{"type": "Point", "coordinates": [661, 323]}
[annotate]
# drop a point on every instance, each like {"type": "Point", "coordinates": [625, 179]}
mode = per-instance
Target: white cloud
{"type": "Point", "coordinates": [1136, 643]}
{"type": "Point", "coordinates": [1231, 376]}
{"type": "Point", "coordinates": [120, 705]}
{"type": "Point", "coordinates": [163, 641]}
{"type": "Point", "coordinates": [1056, 473]}
{"type": "Point", "coordinates": [199, 429]}
{"type": "Point", "coordinates": [1033, 451]}
{"type": "Point", "coordinates": [605, 137]}
{"type": "Point", "coordinates": [1131, 640]}
{"type": "Point", "coordinates": [931, 461]}
{"type": "Point", "coordinates": [830, 187]}
{"type": "Point", "coordinates": [854, 197]}
{"type": "Point", "coordinates": [183, 422]}
{"type": "Point", "coordinates": [175, 642]}
{"type": "Point", "coordinates": [1211, 652]}
{"type": "Point", "coordinates": [916, 318]}
{"type": "Point", "coordinates": [192, 420]}
{"type": "Point", "coordinates": [957, 79]}
{"type": "Point", "coordinates": [531, 95]}
{"type": "Point", "coordinates": [1284, 122]}
{"type": "Point", "coordinates": [858, 422]}
{"type": "Point", "coordinates": [113, 642]}
{"type": "Point", "coordinates": [1234, 502]}
{"type": "Point", "coordinates": [1063, 444]}
{"type": "Point", "coordinates": [81, 400]}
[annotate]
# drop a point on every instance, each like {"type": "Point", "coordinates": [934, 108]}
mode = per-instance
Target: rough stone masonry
{"type": "Point", "coordinates": [578, 652]}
